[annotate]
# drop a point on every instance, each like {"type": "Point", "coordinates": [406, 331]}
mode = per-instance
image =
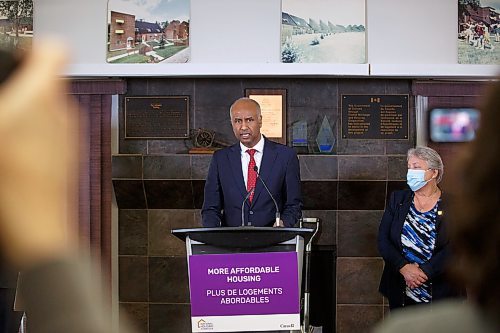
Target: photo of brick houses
{"type": "Point", "coordinates": [479, 32]}
{"type": "Point", "coordinates": [177, 31]}
{"type": "Point", "coordinates": [16, 25]}
{"type": "Point", "coordinates": [149, 38]}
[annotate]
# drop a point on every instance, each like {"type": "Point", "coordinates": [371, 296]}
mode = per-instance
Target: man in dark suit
{"type": "Point", "coordinates": [234, 170]}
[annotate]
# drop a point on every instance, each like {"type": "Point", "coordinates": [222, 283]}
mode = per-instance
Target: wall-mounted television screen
{"type": "Point", "coordinates": [453, 124]}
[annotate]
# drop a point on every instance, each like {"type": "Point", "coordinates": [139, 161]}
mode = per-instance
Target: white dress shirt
{"type": "Point", "coordinates": [245, 157]}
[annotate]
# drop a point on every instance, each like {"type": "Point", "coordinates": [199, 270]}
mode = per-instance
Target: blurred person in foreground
{"type": "Point", "coordinates": [475, 234]}
{"type": "Point", "coordinates": [10, 320]}
{"type": "Point", "coordinates": [38, 186]}
{"type": "Point", "coordinates": [413, 239]}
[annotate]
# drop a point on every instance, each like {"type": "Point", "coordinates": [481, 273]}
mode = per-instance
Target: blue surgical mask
{"type": "Point", "coordinates": [416, 179]}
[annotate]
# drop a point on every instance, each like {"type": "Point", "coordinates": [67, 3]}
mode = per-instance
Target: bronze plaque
{"type": "Point", "coordinates": [375, 117]}
{"type": "Point", "coordinates": [151, 117]}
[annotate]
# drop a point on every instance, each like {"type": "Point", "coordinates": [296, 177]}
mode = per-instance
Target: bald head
{"type": "Point", "coordinates": [245, 102]}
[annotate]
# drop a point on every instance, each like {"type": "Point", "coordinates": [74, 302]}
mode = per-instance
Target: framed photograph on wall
{"type": "Point", "coordinates": [273, 109]}
{"type": "Point", "coordinates": [479, 32]}
{"type": "Point", "coordinates": [323, 31]}
{"type": "Point", "coordinates": [16, 25]}
{"type": "Point", "coordinates": [148, 31]}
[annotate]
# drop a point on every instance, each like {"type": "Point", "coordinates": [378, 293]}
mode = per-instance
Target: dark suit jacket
{"type": "Point", "coordinates": [392, 284]}
{"type": "Point", "coordinates": [225, 188]}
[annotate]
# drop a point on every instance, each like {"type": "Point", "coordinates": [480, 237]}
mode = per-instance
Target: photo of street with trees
{"type": "Point", "coordinates": [323, 31]}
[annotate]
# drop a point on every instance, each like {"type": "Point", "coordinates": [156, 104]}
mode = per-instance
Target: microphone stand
{"type": "Point", "coordinates": [278, 217]}
{"type": "Point", "coordinates": [243, 206]}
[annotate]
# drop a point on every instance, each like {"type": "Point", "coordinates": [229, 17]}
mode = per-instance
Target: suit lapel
{"type": "Point", "coordinates": [266, 166]}
{"type": "Point", "coordinates": [235, 163]}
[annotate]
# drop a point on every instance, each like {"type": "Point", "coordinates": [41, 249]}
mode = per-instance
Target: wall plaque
{"type": "Point", "coordinates": [375, 117]}
{"type": "Point", "coordinates": [273, 109]}
{"type": "Point", "coordinates": [157, 117]}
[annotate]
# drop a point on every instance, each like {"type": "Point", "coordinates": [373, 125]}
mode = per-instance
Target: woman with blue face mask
{"type": "Point", "coordinates": [412, 236]}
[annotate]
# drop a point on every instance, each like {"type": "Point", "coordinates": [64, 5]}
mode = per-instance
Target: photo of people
{"type": "Point", "coordinates": [150, 31]}
{"type": "Point", "coordinates": [323, 31]}
{"type": "Point", "coordinates": [479, 32]}
{"type": "Point", "coordinates": [16, 24]}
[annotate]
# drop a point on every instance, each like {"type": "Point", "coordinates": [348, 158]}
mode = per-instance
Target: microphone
{"type": "Point", "coordinates": [243, 206]}
{"type": "Point", "coordinates": [277, 221]}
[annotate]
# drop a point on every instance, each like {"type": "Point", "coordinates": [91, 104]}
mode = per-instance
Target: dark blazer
{"type": "Point", "coordinates": [392, 284]}
{"type": "Point", "coordinates": [225, 188]}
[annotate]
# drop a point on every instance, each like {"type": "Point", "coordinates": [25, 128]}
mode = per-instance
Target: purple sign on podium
{"type": "Point", "coordinates": [244, 291]}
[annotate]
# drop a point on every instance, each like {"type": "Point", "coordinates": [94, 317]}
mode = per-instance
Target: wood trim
{"type": "Point", "coordinates": [94, 98]}
{"type": "Point", "coordinates": [443, 88]}
{"type": "Point", "coordinates": [98, 87]}
{"type": "Point", "coordinates": [106, 187]}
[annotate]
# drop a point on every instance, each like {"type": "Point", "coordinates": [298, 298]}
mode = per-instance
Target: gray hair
{"type": "Point", "coordinates": [432, 158]}
{"type": "Point", "coordinates": [245, 100]}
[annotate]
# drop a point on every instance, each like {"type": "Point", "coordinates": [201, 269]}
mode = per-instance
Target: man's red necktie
{"type": "Point", "coordinates": [252, 174]}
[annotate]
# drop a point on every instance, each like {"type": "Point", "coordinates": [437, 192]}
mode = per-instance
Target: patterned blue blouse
{"type": "Point", "coordinates": [418, 239]}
